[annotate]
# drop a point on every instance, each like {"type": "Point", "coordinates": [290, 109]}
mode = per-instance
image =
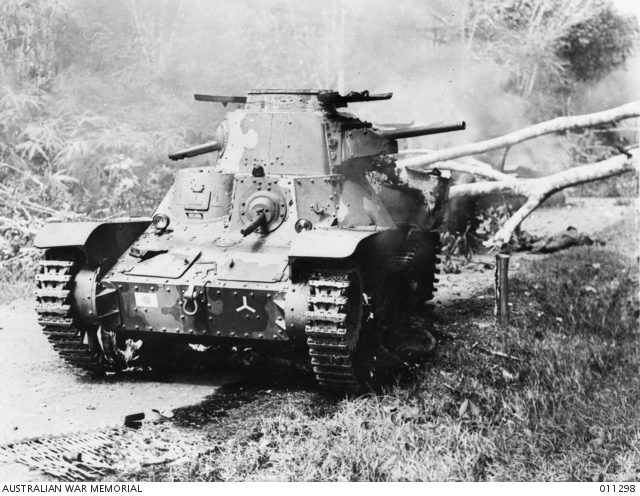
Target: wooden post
{"type": "Point", "coordinates": [502, 289]}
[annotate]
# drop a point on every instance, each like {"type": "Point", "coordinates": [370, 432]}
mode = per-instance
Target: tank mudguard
{"type": "Point", "coordinates": [97, 240]}
{"type": "Point", "coordinates": [327, 243]}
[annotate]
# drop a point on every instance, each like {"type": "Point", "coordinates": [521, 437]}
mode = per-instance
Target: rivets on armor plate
{"type": "Point", "coordinates": [246, 334]}
{"type": "Point", "coordinates": [233, 334]}
{"type": "Point", "coordinates": [136, 288]}
{"type": "Point", "coordinates": [150, 328]}
{"type": "Point", "coordinates": [261, 336]}
{"type": "Point", "coordinates": [164, 329]}
{"type": "Point", "coordinates": [182, 317]}
{"type": "Point", "coordinates": [137, 327]}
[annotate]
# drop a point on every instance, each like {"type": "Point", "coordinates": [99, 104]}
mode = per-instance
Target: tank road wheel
{"type": "Point", "coordinates": [333, 326]}
{"type": "Point", "coordinates": [76, 343]}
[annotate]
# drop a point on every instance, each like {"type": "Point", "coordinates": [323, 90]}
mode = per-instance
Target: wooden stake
{"type": "Point", "coordinates": [502, 289]}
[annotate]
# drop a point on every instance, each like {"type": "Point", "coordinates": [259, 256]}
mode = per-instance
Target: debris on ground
{"type": "Point", "coordinates": [567, 239]}
{"type": "Point", "coordinates": [131, 419]}
{"type": "Point", "coordinates": [163, 413]}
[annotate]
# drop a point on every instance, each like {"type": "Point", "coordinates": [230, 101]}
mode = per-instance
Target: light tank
{"type": "Point", "coordinates": [299, 234]}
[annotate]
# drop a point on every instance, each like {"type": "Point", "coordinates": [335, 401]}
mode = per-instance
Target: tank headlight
{"type": "Point", "coordinates": [160, 222]}
{"type": "Point", "coordinates": [303, 225]}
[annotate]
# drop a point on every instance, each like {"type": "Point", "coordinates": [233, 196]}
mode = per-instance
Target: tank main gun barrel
{"type": "Point", "coordinates": [411, 132]}
{"type": "Point", "coordinates": [220, 99]}
{"type": "Point", "coordinates": [194, 151]}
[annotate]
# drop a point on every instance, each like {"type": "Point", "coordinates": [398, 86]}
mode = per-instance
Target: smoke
{"type": "Point", "coordinates": [620, 87]}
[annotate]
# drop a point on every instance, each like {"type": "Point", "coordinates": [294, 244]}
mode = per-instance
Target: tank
{"type": "Point", "coordinates": [299, 235]}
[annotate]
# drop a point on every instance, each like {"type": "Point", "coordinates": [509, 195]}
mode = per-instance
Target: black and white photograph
{"type": "Point", "coordinates": [331, 241]}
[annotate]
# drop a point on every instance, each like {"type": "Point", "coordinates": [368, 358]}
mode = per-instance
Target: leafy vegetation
{"type": "Point", "coordinates": [548, 47]}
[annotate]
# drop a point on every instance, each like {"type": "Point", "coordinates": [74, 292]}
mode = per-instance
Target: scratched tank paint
{"type": "Point", "coordinates": [287, 195]}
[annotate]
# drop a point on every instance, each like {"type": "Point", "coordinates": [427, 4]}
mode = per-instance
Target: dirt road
{"type": "Point", "coordinates": [42, 395]}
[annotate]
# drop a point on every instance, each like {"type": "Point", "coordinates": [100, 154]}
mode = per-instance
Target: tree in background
{"type": "Point", "coordinates": [547, 46]}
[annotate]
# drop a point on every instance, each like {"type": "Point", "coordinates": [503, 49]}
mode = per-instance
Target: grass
{"type": "Point", "coordinates": [565, 405]}
{"type": "Point", "coordinates": [17, 279]}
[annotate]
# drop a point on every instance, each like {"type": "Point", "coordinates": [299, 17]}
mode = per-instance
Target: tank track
{"type": "Point", "coordinates": [331, 332]}
{"type": "Point", "coordinates": [53, 281]}
{"type": "Point", "coordinates": [433, 260]}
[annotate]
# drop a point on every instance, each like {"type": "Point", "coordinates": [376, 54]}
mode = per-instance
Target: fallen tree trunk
{"type": "Point", "coordinates": [538, 190]}
{"type": "Point", "coordinates": [409, 176]}
{"type": "Point", "coordinates": [553, 126]}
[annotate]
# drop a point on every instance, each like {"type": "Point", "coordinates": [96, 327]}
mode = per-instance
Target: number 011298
{"type": "Point", "coordinates": [617, 488]}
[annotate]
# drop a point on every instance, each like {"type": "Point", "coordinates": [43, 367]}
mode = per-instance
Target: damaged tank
{"type": "Point", "coordinates": [299, 234]}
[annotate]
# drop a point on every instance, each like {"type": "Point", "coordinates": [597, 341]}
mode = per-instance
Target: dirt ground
{"type": "Point", "coordinates": [43, 396]}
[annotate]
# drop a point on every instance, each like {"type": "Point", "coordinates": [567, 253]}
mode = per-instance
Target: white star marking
{"type": "Point", "coordinates": [245, 306]}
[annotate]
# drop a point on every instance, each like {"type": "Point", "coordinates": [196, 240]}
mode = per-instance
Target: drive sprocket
{"type": "Point", "coordinates": [54, 281]}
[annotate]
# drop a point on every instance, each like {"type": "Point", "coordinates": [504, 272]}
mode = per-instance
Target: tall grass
{"type": "Point", "coordinates": [17, 279]}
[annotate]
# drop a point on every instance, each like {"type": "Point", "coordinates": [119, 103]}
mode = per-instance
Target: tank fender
{"type": "Point", "coordinates": [328, 243]}
{"type": "Point", "coordinates": [97, 240]}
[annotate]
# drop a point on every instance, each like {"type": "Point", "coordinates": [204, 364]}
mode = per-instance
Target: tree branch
{"type": "Point", "coordinates": [553, 126]}
{"type": "Point", "coordinates": [538, 190]}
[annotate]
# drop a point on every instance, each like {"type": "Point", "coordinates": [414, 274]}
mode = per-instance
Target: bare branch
{"type": "Point", "coordinates": [488, 172]}
{"type": "Point", "coordinates": [553, 126]}
{"type": "Point", "coordinates": [538, 190]}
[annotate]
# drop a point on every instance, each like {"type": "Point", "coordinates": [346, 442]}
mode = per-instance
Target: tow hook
{"type": "Point", "coordinates": [190, 298]}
